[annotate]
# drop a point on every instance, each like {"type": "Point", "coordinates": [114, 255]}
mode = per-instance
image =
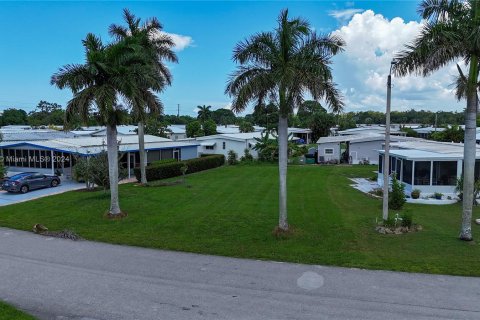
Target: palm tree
{"type": "Point", "coordinates": [96, 87]}
{"type": "Point", "coordinates": [156, 48]}
{"type": "Point", "coordinates": [451, 33]}
{"type": "Point", "coordinates": [204, 113]}
{"type": "Point", "coordinates": [281, 66]}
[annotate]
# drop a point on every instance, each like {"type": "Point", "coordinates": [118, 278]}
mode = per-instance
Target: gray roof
{"type": "Point", "coordinates": [34, 135]}
{"type": "Point", "coordinates": [94, 145]}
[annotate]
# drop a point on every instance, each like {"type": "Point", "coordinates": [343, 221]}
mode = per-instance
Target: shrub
{"type": "Point", "coordinates": [407, 219]}
{"type": "Point", "coordinates": [415, 194]}
{"type": "Point", "coordinates": [232, 158]}
{"type": "Point", "coordinates": [377, 192]}
{"type": "Point", "coordinates": [3, 169]}
{"type": "Point", "coordinates": [247, 156]}
{"type": "Point", "coordinates": [174, 169]}
{"type": "Point", "coordinates": [94, 170]}
{"type": "Point", "coordinates": [438, 195]}
{"type": "Point", "coordinates": [163, 161]}
{"type": "Point", "coordinates": [396, 198]}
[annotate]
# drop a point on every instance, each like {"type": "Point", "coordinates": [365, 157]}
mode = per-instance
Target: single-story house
{"type": "Point", "coordinates": [429, 166]}
{"type": "Point", "coordinates": [425, 132]}
{"type": "Point", "coordinates": [370, 130]}
{"type": "Point", "coordinates": [223, 143]}
{"type": "Point", "coordinates": [49, 156]}
{"type": "Point", "coordinates": [176, 132]}
{"type": "Point", "coordinates": [353, 149]}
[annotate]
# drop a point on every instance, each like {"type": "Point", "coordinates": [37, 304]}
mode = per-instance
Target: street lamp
{"type": "Point", "coordinates": [386, 155]}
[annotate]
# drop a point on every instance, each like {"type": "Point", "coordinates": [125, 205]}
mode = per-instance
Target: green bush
{"type": "Point", "coordinates": [174, 169]}
{"type": "Point", "coordinates": [407, 219]}
{"type": "Point", "coordinates": [163, 161]}
{"type": "Point", "coordinates": [396, 198]}
{"type": "Point", "coordinates": [232, 158]}
{"type": "Point", "coordinates": [247, 156]}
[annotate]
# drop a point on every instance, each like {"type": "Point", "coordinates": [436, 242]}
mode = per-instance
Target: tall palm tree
{"type": "Point", "coordinates": [156, 48]}
{"type": "Point", "coordinates": [282, 66]}
{"type": "Point", "coordinates": [451, 33]}
{"type": "Point", "coordinates": [96, 87]}
{"type": "Point", "coordinates": [204, 113]}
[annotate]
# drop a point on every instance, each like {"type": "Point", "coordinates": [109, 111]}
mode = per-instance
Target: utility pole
{"type": "Point", "coordinates": [178, 110]}
{"type": "Point", "coordinates": [386, 156]}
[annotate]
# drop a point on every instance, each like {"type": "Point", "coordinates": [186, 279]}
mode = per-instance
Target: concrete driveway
{"type": "Point", "coordinates": [62, 279]}
{"type": "Point", "coordinates": [7, 198]}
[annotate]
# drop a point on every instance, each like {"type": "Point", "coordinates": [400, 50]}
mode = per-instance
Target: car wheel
{"type": "Point", "coordinates": [54, 183]}
{"type": "Point", "coordinates": [24, 189]}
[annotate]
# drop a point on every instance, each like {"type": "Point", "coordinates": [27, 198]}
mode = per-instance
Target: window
{"type": "Point", "coordinates": [444, 173]}
{"type": "Point", "coordinates": [407, 171]}
{"type": "Point", "coordinates": [167, 154]}
{"type": "Point", "coordinates": [329, 151]}
{"type": "Point", "coordinates": [393, 165]}
{"type": "Point", "coordinates": [224, 145]}
{"type": "Point", "coordinates": [422, 173]}
{"type": "Point", "coordinates": [380, 163]}
{"type": "Point", "coordinates": [210, 147]}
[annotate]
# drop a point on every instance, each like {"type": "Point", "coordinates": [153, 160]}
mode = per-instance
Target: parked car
{"type": "Point", "coordinates": [24, 182]}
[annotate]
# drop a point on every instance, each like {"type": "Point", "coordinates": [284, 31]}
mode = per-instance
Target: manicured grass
{"type": "Point", "coordinates": [232, 211]}
{"type": "Point", "coordinates": [8, 312]}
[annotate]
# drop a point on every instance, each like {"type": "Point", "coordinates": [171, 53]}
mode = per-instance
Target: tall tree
{"type": "Point", "coordinates": [204, 113]}
{"type": "Point", "coordinates": [283, 65]}
{"type": "Point", "coordinates": [451, 32]}
{"type": "Point", "coordinates": [156, 48]}
{"type": "Point", "coordinates": [12, 116]}
{"type": "Point", "coordinates": [96, 86]}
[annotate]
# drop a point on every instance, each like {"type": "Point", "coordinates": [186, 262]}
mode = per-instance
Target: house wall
{"type": "Point", "coordinates": [176, 136]}
{"type": "Point", "coordinates": [365, 150]}
{"type": "Point", "coordinates": [237, 146]}
{"type": "Point", "coordinates": [189, 153]}
{"type": "Point", "coordinates": [329, 145]}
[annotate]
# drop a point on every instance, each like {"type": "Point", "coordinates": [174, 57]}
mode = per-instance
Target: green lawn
{"type": "Point", "coordinates": [232, 211]}
{"type": "Point", "coordinates": [8, 312]}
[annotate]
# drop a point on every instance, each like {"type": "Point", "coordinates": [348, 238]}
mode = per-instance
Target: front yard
{"type": "Point", "coordinates": [8, 312]}
{"type": "Point", "coordinates": [232, 211]}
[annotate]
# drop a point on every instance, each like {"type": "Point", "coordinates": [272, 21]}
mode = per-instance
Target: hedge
{"type": "Point", "coordinates": [166, 170]}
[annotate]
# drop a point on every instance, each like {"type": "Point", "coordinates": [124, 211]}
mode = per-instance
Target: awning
{"type": "Point", "coordinates": [207, 144]}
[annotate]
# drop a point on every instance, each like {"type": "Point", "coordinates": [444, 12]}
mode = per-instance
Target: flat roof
{"type": "Point", "coordinates": [419, 149]}
{"type": "Point", "coordinates": [94, 145]}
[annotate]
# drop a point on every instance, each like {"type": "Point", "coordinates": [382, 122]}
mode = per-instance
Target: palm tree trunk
{"type": "Point", "coordinates": [141, 150]}
{"type": "Point", "coordinates": [282, 170]}
{"type": "Point", "coordinates": [112, 149]}
{"type": "Point", "coordinates": [469, 151]}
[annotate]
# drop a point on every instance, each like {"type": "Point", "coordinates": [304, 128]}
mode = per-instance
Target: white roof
{"type": "Point", "coordinates": [94, 145]}
{"type": "Point", "coordinates": [233, 136]}
{"type": "Point", "coordinates": [360, 138]}
{"type": "Point", "coordinates": [425, 149]}
{"type": "Point", "coordinates": [177, 128]}
{"type": "Point", "coordinates": [427, 129]}
{"type": "Point", "coordinates": [121, 130]}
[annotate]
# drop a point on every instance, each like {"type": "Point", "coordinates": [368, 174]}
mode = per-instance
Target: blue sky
{"type": "Point", "coordinates": [40, 37]}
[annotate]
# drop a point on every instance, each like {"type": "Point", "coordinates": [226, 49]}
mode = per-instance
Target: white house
{"type": "Point", "coordinates": [370, 130]}
{"type": "Point", "coordinates": [176, 132]}
{"type": "Point", "coordinates": [222, 143]}
{"type": "Point", "coordinates": [429, 166]}
{"type": "Point", "coordinates": [353, 149]}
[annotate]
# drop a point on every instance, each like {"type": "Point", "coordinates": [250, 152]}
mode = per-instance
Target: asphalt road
{"type": "Point", "coordinates": [62, 279]}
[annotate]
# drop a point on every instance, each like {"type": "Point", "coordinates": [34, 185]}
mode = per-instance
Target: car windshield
{"type": "Point", "coordinates": [19, 176]}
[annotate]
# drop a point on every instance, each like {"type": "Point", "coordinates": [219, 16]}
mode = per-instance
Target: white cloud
{"type": "Point", "coordinates": [181, 42]}
{"type": "Point", "coordinates": [345, 14]}
{"type": "Point", "coordinates": [372, 41]}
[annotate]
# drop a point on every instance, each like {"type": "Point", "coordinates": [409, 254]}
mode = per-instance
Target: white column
{"type": "Point", "coordinates": [413, 174]}
{"type": "Point", "coordinates": [128, 164]}
{"type": "Point", "coordinates": [431, 173]}
{"type": "Point", "coordinates": [459, 168]}
{"type": "Point", "coordinates": [53, 164]}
